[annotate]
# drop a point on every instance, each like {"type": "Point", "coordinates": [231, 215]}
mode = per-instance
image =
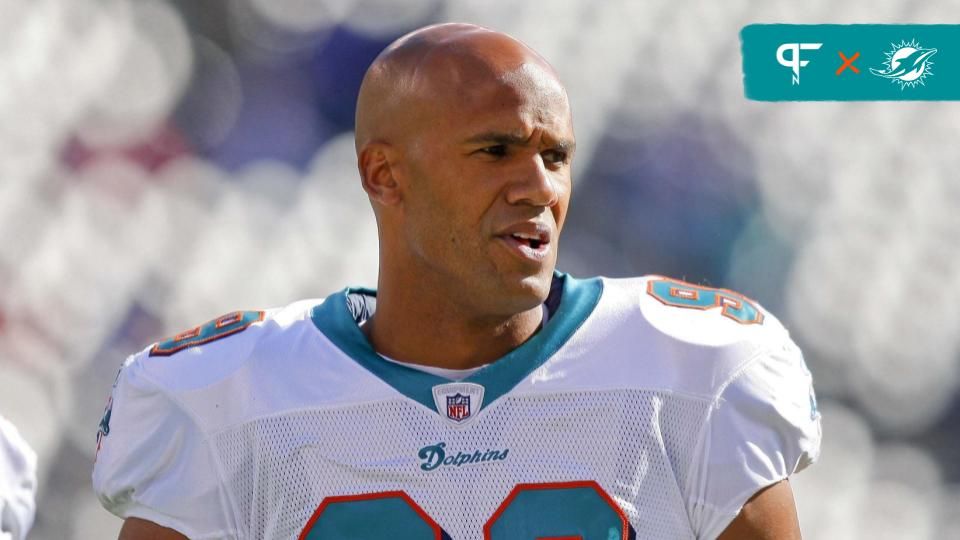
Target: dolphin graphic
{"type": "Point", "coordinates": [907, 64]}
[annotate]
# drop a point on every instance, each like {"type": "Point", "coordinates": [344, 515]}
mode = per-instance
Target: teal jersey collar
{"type": "Point", "coordinates": [577, 302]}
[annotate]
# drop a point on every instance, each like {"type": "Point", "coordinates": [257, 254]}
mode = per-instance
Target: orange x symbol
{"type": "Point", "coordinates": [848, 62]}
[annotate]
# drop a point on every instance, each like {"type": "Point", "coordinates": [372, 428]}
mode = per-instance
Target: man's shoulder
{"type": "Point", "coordinates": [689, 312]}
{"type": "Point", "coordinates": [679, 335]}
{"type": "Point", "coordinates": [212, 351]}
{"type": "Point", "coordinates": [246, 365]}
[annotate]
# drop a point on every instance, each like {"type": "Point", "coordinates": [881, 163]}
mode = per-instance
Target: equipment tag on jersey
{"type": "Point", "coordinates": [458, 402]}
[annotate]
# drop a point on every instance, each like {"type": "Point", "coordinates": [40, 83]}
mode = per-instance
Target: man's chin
{"type": "Point", "coordinates": [529, 291]}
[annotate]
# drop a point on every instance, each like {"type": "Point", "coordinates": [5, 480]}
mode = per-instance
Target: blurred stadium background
{"type": "Point", "coordinates": [163, 162]}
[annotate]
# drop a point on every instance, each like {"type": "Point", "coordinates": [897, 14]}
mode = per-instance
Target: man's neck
{"type": "Point", "coordinates": [432, 329]}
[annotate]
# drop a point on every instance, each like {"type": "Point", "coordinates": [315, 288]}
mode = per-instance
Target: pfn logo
{"type": "Point", "coordinates": [794, 62]}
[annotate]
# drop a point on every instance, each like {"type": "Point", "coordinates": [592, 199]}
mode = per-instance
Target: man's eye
{"type": "Point", "coordinates": [498, 150]}
{"type": "Point", "coordinates": [554, 156]}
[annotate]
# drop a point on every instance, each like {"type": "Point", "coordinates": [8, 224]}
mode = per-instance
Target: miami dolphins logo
{"type": "Point", "coordinates": [907, 64]}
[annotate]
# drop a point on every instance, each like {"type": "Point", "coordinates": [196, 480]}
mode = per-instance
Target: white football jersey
{"type": "Point", "coordinates": [18, 483]}
{"type": "Point", "coordinates": [644, 408]}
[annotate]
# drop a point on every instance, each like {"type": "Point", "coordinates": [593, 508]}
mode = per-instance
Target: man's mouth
{"type": "Point", "coordinates": [528, 241]}
{"type": "Point", "coordinates": [532, 240]}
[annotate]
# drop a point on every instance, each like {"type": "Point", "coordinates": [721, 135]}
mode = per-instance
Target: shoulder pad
{"type": "Point", "coordinates": [684, 337]}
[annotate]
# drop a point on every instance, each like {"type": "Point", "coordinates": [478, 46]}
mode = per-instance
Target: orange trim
{"type": "Point", "coordinates": [726, 301]}
{"type": "Point", "coordinates": [722, 298]}
{"type": "Point", "coordinates": [156, 350]}
{"type": "Point", "coordinates": [192, 333]}
{"type": "Point", "coordinates": [327, 501]}
{"type": "Point", "coordinates": [624, 522]}
{"type": "Point", "coordinates": [229, 319]}
{"type": "Point", "coordinates": [677, 292]}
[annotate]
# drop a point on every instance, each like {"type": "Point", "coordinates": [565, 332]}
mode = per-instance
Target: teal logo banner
{"type": "Point", "coordinates": [857, 62]}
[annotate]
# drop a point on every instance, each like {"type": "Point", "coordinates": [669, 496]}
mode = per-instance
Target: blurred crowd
{"type": "Point", "coordinates": [166, 161]}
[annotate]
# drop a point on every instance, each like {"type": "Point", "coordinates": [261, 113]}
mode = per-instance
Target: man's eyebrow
{"type": "Point", "coordinates": [566, 145]}
{"type": "Point", "coordinates": [496, 137]}
{"type": "Point", "coordinates": [499, 137]}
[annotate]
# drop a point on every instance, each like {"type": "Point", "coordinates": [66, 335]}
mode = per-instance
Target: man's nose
{"type": "Point", "coordinates": [534, 184]}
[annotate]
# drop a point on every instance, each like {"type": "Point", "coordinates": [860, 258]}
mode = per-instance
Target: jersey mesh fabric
{"type": "Point", "coordinates": [635, 444]}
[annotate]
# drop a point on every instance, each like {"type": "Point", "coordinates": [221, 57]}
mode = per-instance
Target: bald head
{"type": "Point", "coordinates": [437, 70]}
{"type": "Point", "coordinates": [464, 138]}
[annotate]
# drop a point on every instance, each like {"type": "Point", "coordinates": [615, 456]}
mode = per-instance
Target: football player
{"type": "Point", "coordinates": [477, 392]}
{"type": "Point", "coordinates": [18, 483]}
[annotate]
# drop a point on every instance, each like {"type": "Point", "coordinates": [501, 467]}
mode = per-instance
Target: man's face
{"type": "Point", "coordinates": [489, 185]}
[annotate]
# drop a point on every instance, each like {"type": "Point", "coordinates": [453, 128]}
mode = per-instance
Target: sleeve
{"type": "Point", "coordinates": [153, 461]}
{"type": "Point", "coordinates": [18, 483]}
{"type": "Point", "coordinates": [763, 427]}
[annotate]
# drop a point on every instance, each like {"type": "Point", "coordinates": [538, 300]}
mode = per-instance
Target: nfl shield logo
{"type": "Point", "coordinates": [458, 407]}
{"type": "Point", "coordinates": [458, 402]}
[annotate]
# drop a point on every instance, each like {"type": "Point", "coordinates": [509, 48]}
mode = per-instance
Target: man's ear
{"type": "Point", "coordinates": [378, 162]}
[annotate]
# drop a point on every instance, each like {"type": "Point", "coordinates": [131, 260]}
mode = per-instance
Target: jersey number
{"type": "Point", "coordinates": [219, 328]}
{"type": "Point", "coordinates": [687, 295]}
{"type": "Point", "coordinates": [552, 511]}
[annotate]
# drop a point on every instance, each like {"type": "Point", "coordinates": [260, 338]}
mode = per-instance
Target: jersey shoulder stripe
{"type": "Point", "coordinates": [677, 293]}
{"type": "Point", "coordinates": [206, 353]}
{"type": "Point", "coordinates": [219, 328]}
{"type": "Point", "coordinates": [704, 315]}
